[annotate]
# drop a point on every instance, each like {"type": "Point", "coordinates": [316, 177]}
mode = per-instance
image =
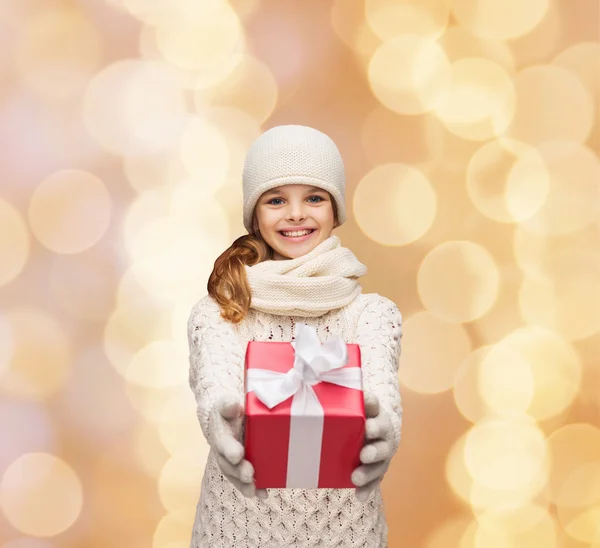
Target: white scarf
{"type": "Point", "coordinates": [323, 279]}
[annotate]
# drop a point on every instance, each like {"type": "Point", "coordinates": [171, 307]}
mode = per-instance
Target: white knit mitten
{"type": "Point", "coordinates": [226, 424]}
{"type": "Point", "coordinates": [376, 455]}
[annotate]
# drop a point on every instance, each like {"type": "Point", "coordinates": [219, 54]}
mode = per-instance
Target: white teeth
{"type": "Point", "coordinates": [296, 234]}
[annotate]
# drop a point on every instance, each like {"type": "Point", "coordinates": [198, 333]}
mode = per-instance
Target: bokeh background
{"type": "Point", "coordinates": [470, 131]}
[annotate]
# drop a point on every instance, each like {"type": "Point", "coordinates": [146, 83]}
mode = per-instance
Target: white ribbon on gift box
{"type": "Point", "coordinates": [313, 363]}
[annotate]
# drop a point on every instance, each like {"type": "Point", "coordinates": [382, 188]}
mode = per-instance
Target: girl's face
{"type": "Point", "coordinates": [293, 208]}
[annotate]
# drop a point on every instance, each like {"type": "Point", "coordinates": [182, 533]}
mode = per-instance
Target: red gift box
{"type": "Point", "coordinates": [291, 445]}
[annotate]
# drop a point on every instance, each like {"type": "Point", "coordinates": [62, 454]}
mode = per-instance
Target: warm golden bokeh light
{"type": "Point", "coordinates": [14, 243]}
{"type": "Point", "coordinates": [82, 285]}
{"type": "Point", "coordinates": [250, 87]}
{"type": "Point", "coordinates": [432, 355]}
{"type": "Point", "coordinates": [204, 40]}
{"type": "Point", "coordinates": [572, 200]}
{"type": "Point", "coordinates": [547, 360]}
{"type": "Point", "coordinates": [459, 43]}
{"type": "Point", "coordinates": [536, 121]}
{"type": "Point", "coordinates": [174, 528]}
{"type": "Point", "coordinates": [506, 454]}
{"type": "Point", "coordinates": [499, 20]}
{"type": "Point", "coordinates": [134, 107]}
{"type": "Point", "coordinates": [409, 74]}
{"type": "Point", "coordinates": [179, 481]}
{"type": "Point", "coordinates": [470, 133]}
{"type": "Point", "coordinates": [53, 65]}
{"type": "Point", "coordinates": [40, 360]}
{"type": "Point", "coordinates": [566, 297]}
{"type": "Point", "coordinates": [205, 152]}
{"type": "Point", "coordinates": [400, 193]}
{"type": "Point", "coordinates": [469, 285]}
{"type": "Point", "coordinates": [480, 101]}
{"type": "Point", "coordinates": [391, 18]}
{"type": "Point", "coordinates": [507, 180]}
{"type": "Point", "coordinates": [70, 211]}
{"type": "Point", "coordinates": [41, 495]}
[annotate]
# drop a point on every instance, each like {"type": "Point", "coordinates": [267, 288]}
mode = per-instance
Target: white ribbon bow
{"type": "Point", "coordinates": [313, 363]}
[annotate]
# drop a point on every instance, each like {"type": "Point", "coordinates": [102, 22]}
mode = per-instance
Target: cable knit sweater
{"type": "Point", "coordinates": [299, 518]}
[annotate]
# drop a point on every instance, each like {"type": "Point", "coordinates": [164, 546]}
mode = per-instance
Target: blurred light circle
{"type": "Point", "coordinates": [387, 137]}
{"type": "Point", "coordinates": [130, 327]}
{"type": "Point", "coordinates": [507, 180]}
{"type": "Point", "coordinates": [211, 37]}
{"type": "Point", "coordinates": [499, 20]}
{"type": "Point", "coordinates": [572, 201]}
{"type": "Point", "coordinates": [488, 535]}
{"type": "Point", "coordinates": [205, 152]}
{"type": "Point", "coordinates": [41, 495]}
{"type": "Point", "coordinates": [14, 243]}
{"type": "Point", "coordinates": [149, 451]}
{"type": "Point", "coordinates": [514, 521]}
{"type": "Point", "coordinates": [431, 368]}
{"type": "Point", "coordinates": [171, 255]}
{"type": "Point", "coordinates": [179, 481]}
{"type": "Point", "coordinates": [70, 211]}
{"type": "Point", "coordinates": [183, 435]}
{"type": "Point", "coordinates": [506, 454]}
{"type": "Point", "coordinates": [505, 381]}
{"type": "Point", "coordinates": [25, 427]}
{"type": "Point", "coordinates": [566, 298]}
{"type": "Point", "coordinates": [554, 367]}
{"type": "Point", "coordinates": [160, 364]}
{"type": "Point", "coordinates": [41, 357]}
{"type": "Point", "coordinates": [152, 171]}
{"type": "Point", "coordinates": [83, 285]}
{"type": "Point", "coordinates": [466, 393]}
{"type": "Point", "coordinates": [173, 530]}
{"type": "Point", "coordinates": [134, 107]}
{"type": "Point", "coordinates": [571, 446]}
{"type": "Point", "coordinates": [480, 100]}
{"type": "Point", "coordinates": [458, 281]}
{"type": "Point", "coordinates": [250, 87]}
{"type": "Point", "coordinates": [51, 65]}
{"type": "Point", "coordinates": [399, 194]}
{"type": "Point", "coordinates": [409, 74]}
{"type": "Point", "coordinates": [583, 60]}
{"type": "Point", "coordinates": [539, 121]}
{"type": "Point", "coordinates": [391, 18]}
{"type": "Point", "coordinates": [459, 43]}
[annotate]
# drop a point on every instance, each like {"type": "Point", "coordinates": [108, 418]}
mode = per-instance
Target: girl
{"type": "Point", "coordinates": [289, 268]}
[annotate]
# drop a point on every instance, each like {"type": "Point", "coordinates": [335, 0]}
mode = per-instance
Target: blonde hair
{"type": "Point", "coordinates": [228, 284]}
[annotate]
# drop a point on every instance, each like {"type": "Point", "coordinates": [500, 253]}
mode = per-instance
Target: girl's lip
{"type": "Point", "coordinates": [299, 238]}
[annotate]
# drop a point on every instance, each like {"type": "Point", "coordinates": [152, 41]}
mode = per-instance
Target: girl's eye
{"type": "Point", "coordinates": [318, 197]}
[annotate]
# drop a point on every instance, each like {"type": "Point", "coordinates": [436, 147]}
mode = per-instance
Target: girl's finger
{"type": "Point", "coordinates": [378, 427]}
{"type": "Point", "coordinates": [243, 471]}
{"type": "Point", "coordinates": [362, 493]}
{"type": "Point", "coordinates": [368, 472]}
{"type": "Point", "coordinates": [375, 452]}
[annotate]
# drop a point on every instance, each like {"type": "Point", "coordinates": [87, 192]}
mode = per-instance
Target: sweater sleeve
{"type": "Point", "coordinates": [216, 360]}
{"type": "Point", "coordinates": [379, 333]}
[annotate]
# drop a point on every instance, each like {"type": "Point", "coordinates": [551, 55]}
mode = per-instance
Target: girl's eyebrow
{"type": "Point", "coordinates": [279, 190]}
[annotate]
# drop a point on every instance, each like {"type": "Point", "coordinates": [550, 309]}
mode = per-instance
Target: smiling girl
{"type": "Point", "coordinates": [290, 269]}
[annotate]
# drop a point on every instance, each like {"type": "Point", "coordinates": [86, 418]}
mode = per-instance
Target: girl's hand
{"type": "Point", "coordinates": [376, 455]}
{"type": "Point", "coordinates": [226, 421]}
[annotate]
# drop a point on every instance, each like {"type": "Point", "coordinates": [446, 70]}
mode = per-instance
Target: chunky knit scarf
{"type": "Point", "coordinates": [323, 279]}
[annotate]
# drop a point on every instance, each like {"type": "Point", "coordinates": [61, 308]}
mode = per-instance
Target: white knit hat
{"type": "Point", "coordinates": [293, 154]}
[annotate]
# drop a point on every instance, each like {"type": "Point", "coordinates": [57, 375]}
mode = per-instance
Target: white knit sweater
{"type": "Point", "coordinates": [301, 518]}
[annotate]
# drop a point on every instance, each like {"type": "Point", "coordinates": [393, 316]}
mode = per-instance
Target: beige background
{"type": "Point", "coordinates": [470, 131]}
